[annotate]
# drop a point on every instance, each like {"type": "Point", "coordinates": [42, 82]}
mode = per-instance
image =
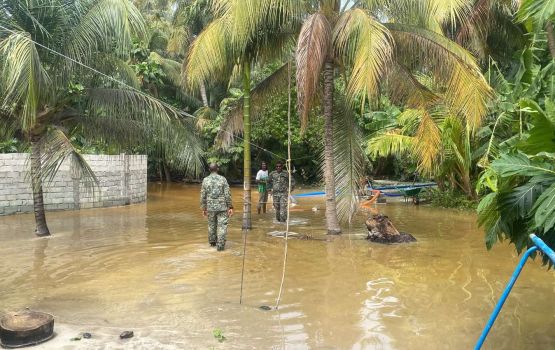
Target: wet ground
{"type": "Point", "coordinates": [148, 268]}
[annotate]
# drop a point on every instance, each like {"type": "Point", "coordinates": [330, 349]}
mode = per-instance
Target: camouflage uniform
{"type": "Point", "coordinates": [215, 198]}
{"type": "Point", "coordinates": [278, 183]}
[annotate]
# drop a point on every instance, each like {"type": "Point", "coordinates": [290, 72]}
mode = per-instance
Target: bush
{"type": "Point", "coordinates": [448, 199]}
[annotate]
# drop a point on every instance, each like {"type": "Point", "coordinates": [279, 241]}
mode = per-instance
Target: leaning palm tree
{"type": "Point", "coordinates": [242, 33]}
{"type": "Point", "coordinates": [44, 45]}
{"type": "Point", "coordinates": [373, 41]}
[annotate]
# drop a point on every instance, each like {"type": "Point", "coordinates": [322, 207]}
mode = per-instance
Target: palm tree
{"type": "Point", "coordinates": [50, 96]}
{"type": "Point", "coordinates": [242, 33]}
{"type": "Point", "coordinates": [440, 144]}
{"type": "Point", "coordinates": [391, 41]}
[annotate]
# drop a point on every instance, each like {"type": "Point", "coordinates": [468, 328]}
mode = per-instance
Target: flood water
{"type": "Point", "coordinates": [148, 268]}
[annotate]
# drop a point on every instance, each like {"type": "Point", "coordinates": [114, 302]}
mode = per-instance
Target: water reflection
{"type": "Point", "coordinates": [149, 267]}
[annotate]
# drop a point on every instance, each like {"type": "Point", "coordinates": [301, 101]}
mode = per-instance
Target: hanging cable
{"type": "Point", "coordinates": [165, 104]}
{"type": "Point", "coordinates": [288, 163]}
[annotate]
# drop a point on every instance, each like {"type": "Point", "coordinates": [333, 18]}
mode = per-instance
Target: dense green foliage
{"type": "Point", "coordinates": [448, 199]}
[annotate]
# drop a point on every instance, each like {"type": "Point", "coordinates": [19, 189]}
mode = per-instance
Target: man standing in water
{"type": "Point", "coordinates": [215, 202]}
{"type": "Point", "coordinates": [262, 180]}
{"type": "Point", "coordinates": [278, 183]}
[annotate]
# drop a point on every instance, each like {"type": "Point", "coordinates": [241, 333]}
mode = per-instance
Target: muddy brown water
{"type": "Point", "coordinates": [148, 268]}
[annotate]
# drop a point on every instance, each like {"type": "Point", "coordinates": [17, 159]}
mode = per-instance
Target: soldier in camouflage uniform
{"type": "Point", "coordinates": [215, 202]}
{"type": "Point", "coordinates": [278, 184]}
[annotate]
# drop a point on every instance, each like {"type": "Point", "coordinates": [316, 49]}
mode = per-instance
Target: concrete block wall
{"type": "Point", "coordinates": [122, 180]}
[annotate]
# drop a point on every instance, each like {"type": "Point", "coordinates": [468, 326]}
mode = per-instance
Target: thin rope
{"type": "Point", "coordinates": [289, 188]}
{"type": "Point", "coordinates": [167, 105]}
{"type": "Point", "coordinates": [243, 268]}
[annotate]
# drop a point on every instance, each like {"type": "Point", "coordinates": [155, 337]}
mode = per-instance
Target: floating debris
{"type": "Point", "coordinates": [87, 335]}
{"type": "Point", "coordinates": [265, 308]}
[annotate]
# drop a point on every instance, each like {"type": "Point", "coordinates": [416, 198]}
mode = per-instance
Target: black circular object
{"type": "Point", "coordinates": [25, 328]}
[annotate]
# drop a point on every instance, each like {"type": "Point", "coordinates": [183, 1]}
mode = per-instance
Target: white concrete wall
{"type": "Point", "coordinates": [122, 180]}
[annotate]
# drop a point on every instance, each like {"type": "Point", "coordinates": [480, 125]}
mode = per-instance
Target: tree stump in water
{"type": "Point", "coordinates": [381, 230]}
{"type": "Point", "coordinates": [25, 328]}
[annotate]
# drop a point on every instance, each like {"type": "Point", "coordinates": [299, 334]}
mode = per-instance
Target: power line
{"type": "Point", "coordinates": [132, 88]}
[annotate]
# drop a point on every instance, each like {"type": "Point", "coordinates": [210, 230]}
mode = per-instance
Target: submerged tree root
{"type": "Point", "coordinates": [381, 230]}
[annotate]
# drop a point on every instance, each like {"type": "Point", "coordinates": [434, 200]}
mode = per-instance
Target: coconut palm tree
{"type": "Point", "coordinates": [439, 142]}
{"type": "Point", "coordinates": [394, 42]}
{"type": "Point", "coordinates": [49, 95]}
{"type": "Point", "coordinates": [242, 33]}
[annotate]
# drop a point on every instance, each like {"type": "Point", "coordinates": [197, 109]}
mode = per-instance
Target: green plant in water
{"type": "Point", "coordinates": [218, 334]}
{"type": "Point", "coordinates": [449, 199]}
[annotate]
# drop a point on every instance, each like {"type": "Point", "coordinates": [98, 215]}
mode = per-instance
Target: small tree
{"type": "Point", "coordinates": [242, 33]}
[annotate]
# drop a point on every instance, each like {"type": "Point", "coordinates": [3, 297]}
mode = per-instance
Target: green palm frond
{"type": "Point", "coordinates": [391, 142]}
{"type": "Point", "coordinates": [192, 102]}
{"type": "Point", "coordinates": [24, 81]}
{"type": "Point", "coordinates": [490, 218]}
{"type": "Point", "coordinates": [540, 11]}
{"type": "Point", "coordinates": [349, 161]}
{"type": "Point", "coordinates": [209, 56]}
{"type": "Point", "coordinates": [171, 68]}
{"type": "Point", "coordinates": [57, 148]}
{"type": "Point", "coordinates": [205, 114]}
{"type": "Point", "coordinates": [182, 149]}
{"type": "Point", "coordinates": [409, 120]}
{"type": "Point", "coordinates": [136, 118]}
{"type": "Point", "coordinates": [366, 47]}
{"type": "Point", "coordinates": [158, 39]}
{"type": "Point", "coordinates": [467, 92]}
{"type": "Point", "coordinates": [105, 25]}
{"type": "Point", "coordinates": [454, 142]}
{"type": "Point", "coordinates": [428, 137]}
{"type": "Point", "coordinates": [248, 17]}
{"type": "Point", "coordinates": [119, 132]}
{"type": "Point", "coordinates": [130, 105]}
{"type": "Point", "coordinates": [117, 67]}
{"type": "Point", "coordinates": [493, 142]}
{"type": "Point", "coordinates": [312, 50]}
{"type": "Point", "coordinates": [451, 12]}
{"type": "Point", "coordinates": [178, 41]}
{"type": "Point", "coordinates": [403, 87]}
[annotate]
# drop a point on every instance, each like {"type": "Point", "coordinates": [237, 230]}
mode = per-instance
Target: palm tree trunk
{"type": "Point", "coordinates": [468, 188]}
{"type": "Point", "coordinates": [247, 224]}
{"type": "Point", "coordinates": [36, 182]}
{"type": "Point", "coordinates": [331, 211]}
{"type": "Point", "coordinates": [550, 38]}
{"type": "Point", "coordinates": [203, 95]}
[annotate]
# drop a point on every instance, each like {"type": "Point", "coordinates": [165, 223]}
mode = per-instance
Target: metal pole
{"type": "Point", "coordinates": [543, 247]}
